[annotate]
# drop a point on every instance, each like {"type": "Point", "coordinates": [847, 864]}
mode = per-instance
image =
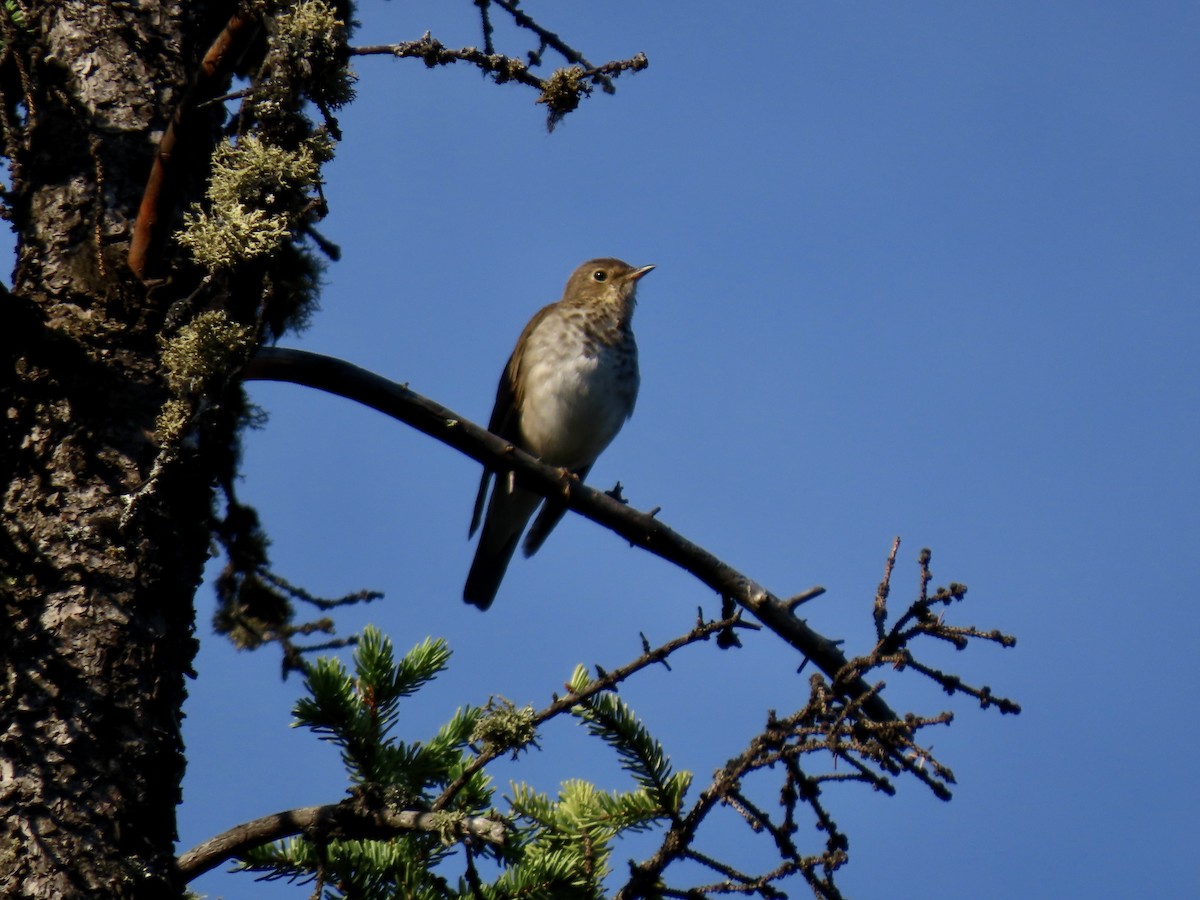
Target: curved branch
{"type": "Point", "coordinates": [159, 197]}
{"type": "Point", "coordinates": [335, 821]}
{"type": "Point", "coordinates": [339, 377]}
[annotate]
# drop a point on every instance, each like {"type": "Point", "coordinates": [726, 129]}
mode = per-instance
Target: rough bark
{"type": "Point", "coordinates": [96, 634]}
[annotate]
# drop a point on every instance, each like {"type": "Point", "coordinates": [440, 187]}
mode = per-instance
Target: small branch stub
{"type": "Point", "coordinates": [803, 597]}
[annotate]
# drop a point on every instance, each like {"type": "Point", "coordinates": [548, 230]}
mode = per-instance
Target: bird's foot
{"type": "Point", "coordinates": [568, 478]}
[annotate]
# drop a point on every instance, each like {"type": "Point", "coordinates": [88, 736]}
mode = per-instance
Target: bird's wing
{"type": "Point", "coordinates": [506, 419]}
{"type": "Point", "coordinates": [502, 423]}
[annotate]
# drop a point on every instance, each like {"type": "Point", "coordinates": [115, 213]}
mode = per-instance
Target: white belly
{"type": "Point", "coordinates": [573, 405]}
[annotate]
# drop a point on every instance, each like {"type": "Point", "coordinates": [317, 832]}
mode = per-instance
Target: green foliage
{"type": "Point", "coordinates": [557, 847]}
{"type": "Point", "coordinates": [357, 712]}
{"type": "Point", "coordinates": [361, 869]}
{"type": "Point", "coordinates": [16, 14]}
{"type": "Point", "coordinates": [608, 718]}
{"type": "Point", "coordinates": [574, 834]}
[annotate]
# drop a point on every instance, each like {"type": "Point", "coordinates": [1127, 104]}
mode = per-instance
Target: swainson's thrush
{"type": "Point", "coordinates": [569, 386]}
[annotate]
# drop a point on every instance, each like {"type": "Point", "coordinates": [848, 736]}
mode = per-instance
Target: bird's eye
{"type": "Point", "coordinates": [599, 275]}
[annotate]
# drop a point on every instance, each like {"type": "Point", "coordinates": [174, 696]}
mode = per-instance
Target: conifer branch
{"type": "Point", "coordinates": [604, 682]}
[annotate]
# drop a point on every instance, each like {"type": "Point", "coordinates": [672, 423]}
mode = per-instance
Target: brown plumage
{"type": "Point", "coordinates": [569, 386]}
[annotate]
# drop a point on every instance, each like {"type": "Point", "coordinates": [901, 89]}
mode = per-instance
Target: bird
{"type": "Point", "coordinates": [567, 389]}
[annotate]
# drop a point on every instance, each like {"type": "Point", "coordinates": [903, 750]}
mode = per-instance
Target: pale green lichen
{"type": "Point", "coordinates": [308, 47]}
{"type": "Point", "coordinates": [209, 346]}
{"type": "Point", "coordinates": [206, 348]}
{"type": "Point", "coordinates": [448, 824]}
{"type": "Point", "coordinates": [220, 239]}
{"type": "Point", "coordinates": [173, 420]}
{"type": "Point", "coordinates": [504, 727]}
{"type": "Point", "coordinates": [254, 197]}
{"type": "Point", "coordinates": [254, 172]}
{"type": "Point", "coordinates": [562, 92]}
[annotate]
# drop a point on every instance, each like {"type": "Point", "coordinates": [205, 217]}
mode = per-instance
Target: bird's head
{"type": "Point", "coordinates": [606, 281]}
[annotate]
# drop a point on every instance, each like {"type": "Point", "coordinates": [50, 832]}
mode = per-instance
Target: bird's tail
{"type": "Point", "coordinates": [507, 514]}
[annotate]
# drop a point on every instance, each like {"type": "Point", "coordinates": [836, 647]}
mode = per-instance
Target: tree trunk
{"type": "Point", "coordinates": [97, 588]}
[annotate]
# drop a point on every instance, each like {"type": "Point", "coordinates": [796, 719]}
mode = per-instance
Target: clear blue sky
{"type": "Point", "coordinates": [924, 269]}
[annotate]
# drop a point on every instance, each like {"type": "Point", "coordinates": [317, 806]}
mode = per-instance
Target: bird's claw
{"type": "Point", "coordinates": [568, 478]}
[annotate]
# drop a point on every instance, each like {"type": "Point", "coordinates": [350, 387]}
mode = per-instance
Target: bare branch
{"type": "Point", "coordinates": [346, 820]}
{"type": "Point", "coordinates": [339, 377]}
{"type": "Point", "coordinates": [549, 39]}
{"type": "Point", "coordinates": [830, 725]}
{"type": "Point", "coordinates": [486, 23]}
{"type": "Point", "coordinates": [885, 587]}
{"type": "Point", "coordinates": [561, 91]}
{"type": "Point", "coordinates": [635, 63]}
{"type": "Point", "coordinates": [846, 720]}
{"type": "Point", "coordinates": [434, 53]}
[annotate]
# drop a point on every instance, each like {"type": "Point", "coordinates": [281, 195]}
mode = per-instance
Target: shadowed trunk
{"type": "Point", "coordinates": [96, 634]}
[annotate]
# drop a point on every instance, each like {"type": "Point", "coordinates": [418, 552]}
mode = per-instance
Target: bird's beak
{"type": "Point", "coordinates": [636, 274]}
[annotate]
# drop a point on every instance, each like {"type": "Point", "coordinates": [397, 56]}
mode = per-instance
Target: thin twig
{"type": "Point", "coordinates": [607, 681]}
{"type": "Point", "coordinates": [434, 53]}
{"type": "Point", "coordinates": [486, 23]}
{"type": "Point", "coordinates": [885, 587]}
{"type": "Point", "coordinates": [549, 38]}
